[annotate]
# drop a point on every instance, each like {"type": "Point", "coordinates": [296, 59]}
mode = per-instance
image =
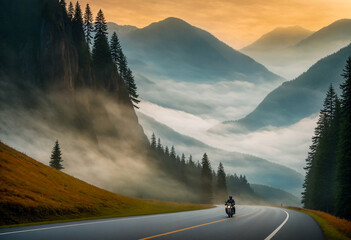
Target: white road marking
{"type": "Point", "coordinates": [278, 228]}
{"type": "Point", "coordinates": [86, 223]}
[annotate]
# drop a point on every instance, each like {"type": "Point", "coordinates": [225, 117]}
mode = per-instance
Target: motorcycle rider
{"type": "Point", "coordinates": [230, 201]}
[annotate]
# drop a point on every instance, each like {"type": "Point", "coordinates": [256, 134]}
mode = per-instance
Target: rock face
{"type": "Point", "coordinates": [43, 49]}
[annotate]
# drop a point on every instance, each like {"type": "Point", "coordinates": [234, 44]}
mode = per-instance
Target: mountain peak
{"type": "Point", "coordinates": [278, 38]}
{"type": "Point", "coordinates": [171, 23]}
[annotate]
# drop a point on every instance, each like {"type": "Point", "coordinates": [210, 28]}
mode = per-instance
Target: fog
{"type": "Point", "coordinates": [221, 100]}
{"type": "Point", "coordinates": [100, 141]}
{"type": "Point", "coordinates": [283, 145]}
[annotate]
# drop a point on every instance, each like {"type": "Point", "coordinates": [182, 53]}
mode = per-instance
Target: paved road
{"type": "Point", "coordinates": [250, 222]}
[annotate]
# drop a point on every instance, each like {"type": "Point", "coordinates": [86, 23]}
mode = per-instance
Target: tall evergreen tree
{"type": "Point", "coordinates": [101, 50]}
{"type": "Point", "coordinates": [324, 160]}
{"type": "Point", "coordinates": [88, 25]}
{"type": "Point", "coordinates": [122, 64]}
{"type": "Point", "coordinates": [70, 11]}
{"type": "Point", "coordinates": [159, 145]}
{"type": "Point", "coordinates": [78, 33]}
{"type": "Point", "coordinates": [343, 194]}
{"type": "Point", "coordinates": [63, 4]}
{"type": "Point", "coordinates": [132, 88]}
{"type": "Point", "coordinates": [206, 179]}
{"type": "Point", "coordinates": [153, 141]}
{"type": "Point", "coordinates": [56, 159]}
{"type": "Point", "coordinates": [311, 183]}
{"type": "Point", "coordinates": [116, 50]}
{"type": "Point", "coordinates": [222, 192]}
{"type": "Point", "coordinates": [166, 151]}
{"type": "Point", "coordinates": [173, 153]}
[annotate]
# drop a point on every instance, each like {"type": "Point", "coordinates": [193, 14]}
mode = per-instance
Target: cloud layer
{"type": "Point", "coordinates": [286, 145]}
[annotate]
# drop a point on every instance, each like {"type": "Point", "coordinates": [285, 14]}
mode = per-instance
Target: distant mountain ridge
{"type": "Point", "coordinates": [293, 60]}
{"type": "Point", "coordinates": [279, 38]}
{"type": "Point", "coordinates": [120, 29]}
{"type": "Point", "coordinates": [295, 99]}
{"type": "Point", "coordinates": [174, 49]}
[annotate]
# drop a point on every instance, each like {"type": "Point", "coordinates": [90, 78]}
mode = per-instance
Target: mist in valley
{"type": "Point", "coordinates": [99, 142]}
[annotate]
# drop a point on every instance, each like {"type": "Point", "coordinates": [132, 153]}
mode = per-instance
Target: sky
{"type": "Point", "coordinates": [236, 22]}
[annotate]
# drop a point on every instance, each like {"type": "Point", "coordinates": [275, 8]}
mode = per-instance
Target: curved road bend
{"type": "Point", "coordinates": [250, 222]}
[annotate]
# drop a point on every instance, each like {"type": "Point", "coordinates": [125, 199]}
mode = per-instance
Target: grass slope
{"type": "Point", "coordinates": [33, 192]}
{"type": "Point", "coordinates": [333, 227]}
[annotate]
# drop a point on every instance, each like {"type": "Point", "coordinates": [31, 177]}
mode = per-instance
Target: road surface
{"type": "Point", "coordinates": [249, 222]}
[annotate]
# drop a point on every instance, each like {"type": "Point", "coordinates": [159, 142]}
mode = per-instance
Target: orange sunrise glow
{"type": "Point", "coordinates": [236, 22]}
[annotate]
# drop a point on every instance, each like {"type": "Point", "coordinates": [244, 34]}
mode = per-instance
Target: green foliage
{"type": "Point", "coordinates": [70, 11]}
{"type": "Point", "coordinates": [221, 183]}
{"type": "Point", "coordinates": [116, 50]}
{"type": "Point", "coordinates": [198, 178]}
{"type": "Point", "coordinates": [56, 159]}
{"type": "Point", "coordinates": [343, 195]}
{"type": "Point", "coordinates": [125, 72]}
{"type": "Point", "coordinates": [101, 51]}
{"type": "Point", "coordinates": [132, 88]}
{"type": "Point", "coordinates": [327, 185]}
{"type": "Point", "coordinates": [206, 179]}
{"type": "Point", "coordinates": [88, 24]}
{"type": "Point", "coordinates": [153, 141]}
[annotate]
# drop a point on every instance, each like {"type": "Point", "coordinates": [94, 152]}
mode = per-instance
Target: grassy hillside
{"type": "Point", "coordinates": [33, 192]}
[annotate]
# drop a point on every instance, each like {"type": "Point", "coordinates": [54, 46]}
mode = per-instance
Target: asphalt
{"type": "Point", "coordinates": [249, 222]}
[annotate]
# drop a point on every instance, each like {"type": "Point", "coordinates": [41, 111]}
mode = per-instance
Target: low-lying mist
{"type": "Point", "coordinates": [100, 140]}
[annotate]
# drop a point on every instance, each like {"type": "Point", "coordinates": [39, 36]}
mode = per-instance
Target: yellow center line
{"type": "Point", "coordinates": [201, 225]}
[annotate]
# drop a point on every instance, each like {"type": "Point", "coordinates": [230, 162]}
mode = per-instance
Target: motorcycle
{"type": "Point", "coordinates": [230, 209]}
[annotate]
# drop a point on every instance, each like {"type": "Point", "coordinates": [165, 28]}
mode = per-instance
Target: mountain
{"type": "Point", "coordinates": [50, 90]}
{"type": "Point", "coordinates": [279, 38]}
{"type": "Point", "coordinates": [330, 38]}
{"type": "Point", "coordinates": [119, 29]}
{"type": "Point", "coordinates": [177, 50]}
{"type": "Point", "coordinates": [256, 169]}
{"type": "Point", "coordinates": [293, 60]}
{"type": "Point", "coordinates": [295, 99]}
{"type": "Point", "coordinates": [276, 196]}
{"type": "Point", "coordinates": [33, 192]}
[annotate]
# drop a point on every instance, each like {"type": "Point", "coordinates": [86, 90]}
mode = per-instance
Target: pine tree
{"type": "Point", "coordinates": [310, 193]}
{"type": "Point", "coordinates": [221, 183]}
{"type": "Point", "coordinates": [122, 64]}
{"type": "Point", "coordinates": [56, 159]}
{"type": "Point", "coordinates": [78, 15]}
{"type": "Point", "coordinates": [63, 4]}
{"type": "Point", "coordinates": [159, 145]}
{"type": "Point", "coordinates": [78, 33]}
{"type": "Point", "coordinates": [166, 151]}
{"type": "Point", "coordinates": [173, 153]}
{"type": "Point", "coordinates": [115, 49]}
{"type": "Point", "coordinates": [70, 11]}
{"type": "Point", "coordinates": [343, 176]}
{"type": "Point", "coordinates": [132, 88]}
{"type": "Point", "coordinates": [88, 25]}
{"type": "Point", "coordinates": [324, 160]}
{"type": "Point", "coordinates": [206, 179]}
{"type": "Point", "coordinates": [101, 50]}
{"type": "Point", "coordinates": [153, 141]}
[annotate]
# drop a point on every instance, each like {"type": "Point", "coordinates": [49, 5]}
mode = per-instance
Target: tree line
{"type": "Point", "coordinates": [327, 185]}
{"type": "Point", "coordinates": [106, 54]}
{"type": "Point", "coordinates": [208, 185]}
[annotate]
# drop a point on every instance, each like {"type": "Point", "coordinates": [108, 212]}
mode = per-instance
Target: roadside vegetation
{"type": "Point", "coordinates": [333, 227]}
{"type": "Point", "coordinates": [32, 192]}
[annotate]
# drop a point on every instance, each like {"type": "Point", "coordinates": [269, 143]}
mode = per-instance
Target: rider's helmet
{"type": "Point", "coordinates": [230, 197]}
